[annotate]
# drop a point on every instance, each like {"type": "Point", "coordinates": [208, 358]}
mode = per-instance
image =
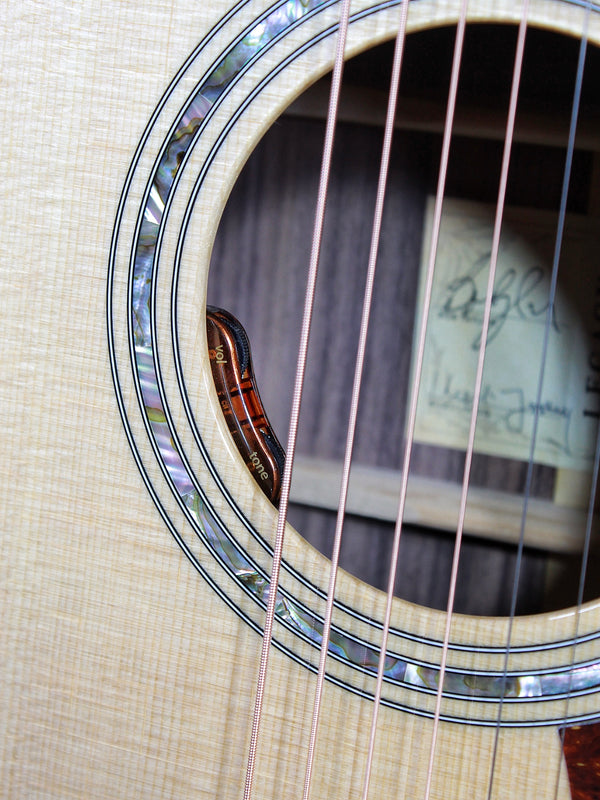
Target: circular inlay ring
{"type": "Point", "coordinates": [193, 147]}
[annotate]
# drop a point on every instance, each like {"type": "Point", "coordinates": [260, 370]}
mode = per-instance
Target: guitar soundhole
{"type": "Point", "coordinates": [258, 273]}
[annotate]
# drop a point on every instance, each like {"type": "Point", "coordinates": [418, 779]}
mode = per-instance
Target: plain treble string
{"type": "Point", "coordinates": [596, 467]}
{"type": "Point", "coordinates": [543, 359]}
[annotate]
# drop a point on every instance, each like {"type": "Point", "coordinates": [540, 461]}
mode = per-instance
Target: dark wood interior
{"type": "Point", "coordinates": [259, 271]}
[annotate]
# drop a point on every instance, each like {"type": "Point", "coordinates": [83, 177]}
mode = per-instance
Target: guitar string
{"type": "Point", "coordinates": [453, 582]}
{"type": "Point", "coordinates": [440, 191]}
{"type": "Point", "coordinates": [356, 386]}
{"type": "Point", "coordinates": [297, 392]}
{"type": "Point", "coordinates": [510, 125]}
{"type": "Point", "coordinates": [580, 593]}
{"type": "Point", "coordinates": [596, 467]}
{"type": "Point", "coordinates": [543, 361]}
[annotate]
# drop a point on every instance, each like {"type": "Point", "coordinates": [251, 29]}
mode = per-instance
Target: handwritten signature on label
{"type": "Point", "coordinates": [516, 295]}
{"type": "Point", "coordinates": [505, 411]}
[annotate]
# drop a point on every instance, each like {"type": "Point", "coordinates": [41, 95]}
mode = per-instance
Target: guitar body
{"type": "Point", "coordinates": [136, 546]}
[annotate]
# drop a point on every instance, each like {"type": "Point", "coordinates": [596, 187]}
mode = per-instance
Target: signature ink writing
{"type": "Point", "coordinates": [505, 410]}
{"type": "Point", "coordinates": [515, 416]}
{"type": "Point", "coordinates": [459, 398]}
{"type": "Point", "coordinates": [516, 294]}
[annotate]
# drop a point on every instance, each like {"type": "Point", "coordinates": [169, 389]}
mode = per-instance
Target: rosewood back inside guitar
{"type": "Point", "coordinates": [137, 546]}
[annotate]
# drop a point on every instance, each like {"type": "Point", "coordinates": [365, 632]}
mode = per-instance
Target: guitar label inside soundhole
{"type": "Point", "coordinates": [566, 414]}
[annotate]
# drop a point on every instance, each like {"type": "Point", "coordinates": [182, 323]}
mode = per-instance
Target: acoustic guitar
{"type": "Point", "coordinates": [149, 646]}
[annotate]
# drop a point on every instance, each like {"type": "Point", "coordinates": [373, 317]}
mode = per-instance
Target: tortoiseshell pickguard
{"type": "Point", "coordinates": [581, 745]}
